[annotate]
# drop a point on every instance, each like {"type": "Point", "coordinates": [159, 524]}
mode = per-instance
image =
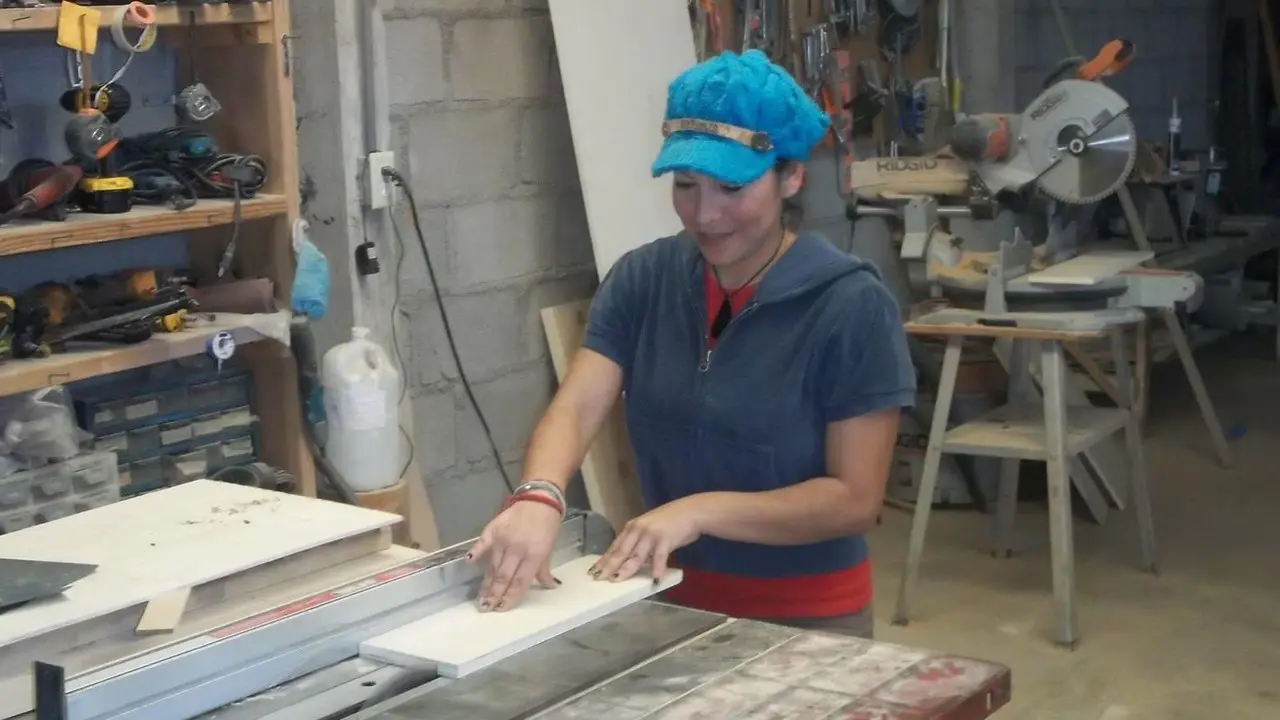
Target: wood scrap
{"type": "Point", "coordinates": [608, 469]}
{"type": "Point", "coordinates": [164, 613]}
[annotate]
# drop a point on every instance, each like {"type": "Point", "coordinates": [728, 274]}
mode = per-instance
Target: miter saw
{"type": "Point", "coordinates": [1073, 146]}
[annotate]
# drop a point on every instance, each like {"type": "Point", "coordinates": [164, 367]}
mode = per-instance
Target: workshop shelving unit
{"type": "Point", "coordinates": [240, 52]}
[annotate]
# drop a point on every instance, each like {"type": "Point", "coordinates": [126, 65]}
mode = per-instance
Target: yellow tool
{"type": "Point", "coordinates": [173, 322]}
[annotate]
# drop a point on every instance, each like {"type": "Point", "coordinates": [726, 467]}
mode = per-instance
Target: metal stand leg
{"type": "Point", "coordinates": [1137, 457]}
{"type": "Point", "coordinates": [1054, 380]}
{"type": "Point", "coordinates": [1006, 508]}
{"type": "Point", "coordinates": [1197, 386]}
{"type": "Point", "coordinates": [1021, 391]}
{"type": "Point", "coordinates": [928, 477]}
{"type": "Point", "coordinates": [1138, 230]}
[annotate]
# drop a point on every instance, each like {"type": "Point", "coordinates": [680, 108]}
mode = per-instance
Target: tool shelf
{"type": "Point", "coordinates": [1017, 431]}
{"type": "Point", "coordinates": [25, 236]}
{"type": "Point", "coordinates": [240, 52]}
{"type": "Point", "coordinates": [46, 18]}
{"type": "Point", "coordinates": [18, 376]}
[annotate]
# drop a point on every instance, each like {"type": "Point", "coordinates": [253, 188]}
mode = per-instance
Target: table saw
{"type": "Point", "coordinates": [298, 660]}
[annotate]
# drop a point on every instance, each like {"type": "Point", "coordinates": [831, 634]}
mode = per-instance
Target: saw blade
{"type": "Point", "coordinates": [1091, 167]}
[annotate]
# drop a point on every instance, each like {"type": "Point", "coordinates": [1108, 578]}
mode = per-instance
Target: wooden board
{"type": "Point", "coordinates": [88, 360]}
{"type": "Point", "coordinates": [1089, 268]}
{"type": "Point", "coordinates": [174, 538]}
{"type": "Point", "coordinates": [616, 98]}
{"type": "Point", "coordinates": [46, 18]}
{"type": "Point", "coordinates": [81, 228]}
{"type": "Point", "coordinates": [460, 639]}
{"type": "Point", "coordinates": [609, 468]}
{"type": "Point", "coordinates": [164, 613]}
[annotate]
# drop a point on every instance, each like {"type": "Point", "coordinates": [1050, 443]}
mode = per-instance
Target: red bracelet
{"type": "Point", "coordinates": [533, 497]}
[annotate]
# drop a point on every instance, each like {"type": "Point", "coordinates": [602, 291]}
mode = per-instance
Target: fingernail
{"type": "Point", "coordinates": [657, 580]}
{"type": "Point", "coordinates": [499, 605]}
{"type": "Point", "coordinates": [484, 605]}
{"type": "Point", "coordinates": [558, 582]}
{"type": "Point", "coordinates": [593, 570]}
{"type": "Point", "coordinates": [613, 576]}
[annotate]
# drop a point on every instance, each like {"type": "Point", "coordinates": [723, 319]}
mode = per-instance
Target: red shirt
{"type": "Point", "coordinates": [825, 595]}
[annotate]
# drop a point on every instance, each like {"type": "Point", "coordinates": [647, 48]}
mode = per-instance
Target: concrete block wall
{"type": "Point", "coordinates": [1177, 55]}
{"type": "Point", "coordinates": [483, 137]}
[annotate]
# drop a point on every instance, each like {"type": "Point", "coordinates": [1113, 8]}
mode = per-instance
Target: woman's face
{"type": "Point", "coordinates": [732, 223]}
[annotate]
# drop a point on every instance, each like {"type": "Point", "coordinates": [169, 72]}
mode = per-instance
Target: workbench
{"type": "Point", "coordinates": [283, 642]}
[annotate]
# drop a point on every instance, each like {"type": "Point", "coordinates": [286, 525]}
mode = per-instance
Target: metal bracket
{"type": "Point", "coordinates": [286, 44]}
{"type": "Point", "coordinates": [50, 691]}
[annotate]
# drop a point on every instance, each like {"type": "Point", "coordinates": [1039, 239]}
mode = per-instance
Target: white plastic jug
{"type": "Point", "coordinates": [361, 392]}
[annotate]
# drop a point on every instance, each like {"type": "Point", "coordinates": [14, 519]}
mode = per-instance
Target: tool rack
{"type": "Point", "coordinates": [242, 54]}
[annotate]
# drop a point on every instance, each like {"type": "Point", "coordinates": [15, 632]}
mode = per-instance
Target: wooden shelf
{"type": "Point", "coordinates": [1018, 432]}
{"type": "Point", "coordinates": [86, 360]}
{"type": "Point", "coordinates": [46, 18]}
{"type": "Point", "coordinates": [27, 236]}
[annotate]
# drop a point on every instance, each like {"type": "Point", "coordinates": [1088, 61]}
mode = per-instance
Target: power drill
{"type": "Point", "coordinates": [92, 137]}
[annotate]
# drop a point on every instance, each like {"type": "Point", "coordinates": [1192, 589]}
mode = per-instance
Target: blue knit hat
{"type": "Point", "coordinates": [733, 117]}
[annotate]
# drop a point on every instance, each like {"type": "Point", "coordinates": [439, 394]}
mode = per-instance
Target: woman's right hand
{"type": "Point", "coordinates": [517, 544]}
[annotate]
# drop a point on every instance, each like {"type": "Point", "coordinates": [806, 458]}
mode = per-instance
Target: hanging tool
{"type": "Point", "coordinates": [839, 97]}
{"type": "Point", "coordinates": [869, 97]}
{"type": "Point", "coordinates": [866, 16]}
{"type": "Point", "coordinates": [1173, 152]}
{"type": "Point", "coordinates": [708, 33]}
{"type": "Point", "coordinates": [840, 14]}
{"type": "Point", "coordinates": [6, 112]}
{"type": "Point", "coordinates": [762, 27]}
{"type": "Point", "coordinates": [221, 347]}
{"type": "Point", "coordinates": [194, 103]}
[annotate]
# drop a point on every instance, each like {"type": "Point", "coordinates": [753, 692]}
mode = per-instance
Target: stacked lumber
{"type": "Point", "coordinates": [175, 564]}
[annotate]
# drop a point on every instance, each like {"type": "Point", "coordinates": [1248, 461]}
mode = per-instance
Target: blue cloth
{"type": "Point", "coordinates": [746, 91]}
{"type": "Point", "coordinates": [819, 342]}
{"type": "Point", "coordinates": [310, 282]}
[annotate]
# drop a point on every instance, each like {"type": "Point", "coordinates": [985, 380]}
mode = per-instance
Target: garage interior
{"type": "Point", "coordinates": [444, 183]}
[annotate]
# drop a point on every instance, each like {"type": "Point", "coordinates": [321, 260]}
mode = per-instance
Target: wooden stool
{"type": "Point", "coordinates": [1027, 428]}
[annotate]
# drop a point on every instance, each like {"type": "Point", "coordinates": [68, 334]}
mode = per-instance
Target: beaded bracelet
{"type": "Point", "coordinates": [547, 487]}
{"type": "Point", "coordinates": [532, 497]}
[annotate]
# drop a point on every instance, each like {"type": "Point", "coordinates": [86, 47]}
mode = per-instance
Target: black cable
{"type": "Point", "coordinates": [395, 341]}
{"type": "Point", "coordinates": [398, 179]}
{"type": "Point", "coordinates": [182, 164]}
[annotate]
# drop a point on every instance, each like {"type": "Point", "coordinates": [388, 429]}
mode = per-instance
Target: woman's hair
{"type": "Point", "coordinates": [792, 208]}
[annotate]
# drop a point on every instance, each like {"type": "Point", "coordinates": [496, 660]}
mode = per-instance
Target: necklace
{"type": "Point", "coordinates": [725, 313]}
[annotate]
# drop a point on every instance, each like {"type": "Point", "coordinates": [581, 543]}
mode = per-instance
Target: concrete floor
{"type": "Point", "coordinates": [1201, 641]}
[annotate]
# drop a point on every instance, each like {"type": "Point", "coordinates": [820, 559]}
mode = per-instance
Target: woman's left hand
{"type": "Point", "coordinates": [650, 539]}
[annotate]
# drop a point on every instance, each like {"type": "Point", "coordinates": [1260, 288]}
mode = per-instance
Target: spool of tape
{"type": "Point", "coordinates": [139, 15]}
{"type": "Point", "coordinates": [221, 346]}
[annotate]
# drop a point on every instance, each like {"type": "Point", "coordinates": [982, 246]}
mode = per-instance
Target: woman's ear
{"type": "Point", "coordinates": [790, 179]}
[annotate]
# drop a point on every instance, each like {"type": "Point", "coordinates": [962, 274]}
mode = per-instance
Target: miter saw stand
{"type": "Point", "coordinates": [1074, 146]}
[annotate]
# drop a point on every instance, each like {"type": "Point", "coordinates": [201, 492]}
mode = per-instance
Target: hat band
{"type": "Point", "coordinates": [754, 139]}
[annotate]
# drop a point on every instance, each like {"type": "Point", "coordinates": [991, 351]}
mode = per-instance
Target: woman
{"type": "Point", "coordinates": [764, 374]}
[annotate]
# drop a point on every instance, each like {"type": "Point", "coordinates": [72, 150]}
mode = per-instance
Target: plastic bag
{"type": "Point", "coordinates": [40, 426]}
{"type": "Point", "coordinates": [311, 279]}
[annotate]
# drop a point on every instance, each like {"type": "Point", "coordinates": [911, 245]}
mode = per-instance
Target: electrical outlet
{"type": "Point", "coordinates": [377, 187]}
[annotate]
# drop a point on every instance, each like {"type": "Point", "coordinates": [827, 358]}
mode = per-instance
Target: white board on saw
{"type": "Point", "coordinates": [617, 58]}
{"type": "Point", "coordinates": [1089, 268]}
{"type": "Point", "coordinates": [170, 539]}
{"type": "Point", "coordinates": [460, 639]}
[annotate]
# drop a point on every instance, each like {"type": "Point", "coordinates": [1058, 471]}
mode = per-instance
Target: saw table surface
{"type": "Point", "coordinates": [653, 661]}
